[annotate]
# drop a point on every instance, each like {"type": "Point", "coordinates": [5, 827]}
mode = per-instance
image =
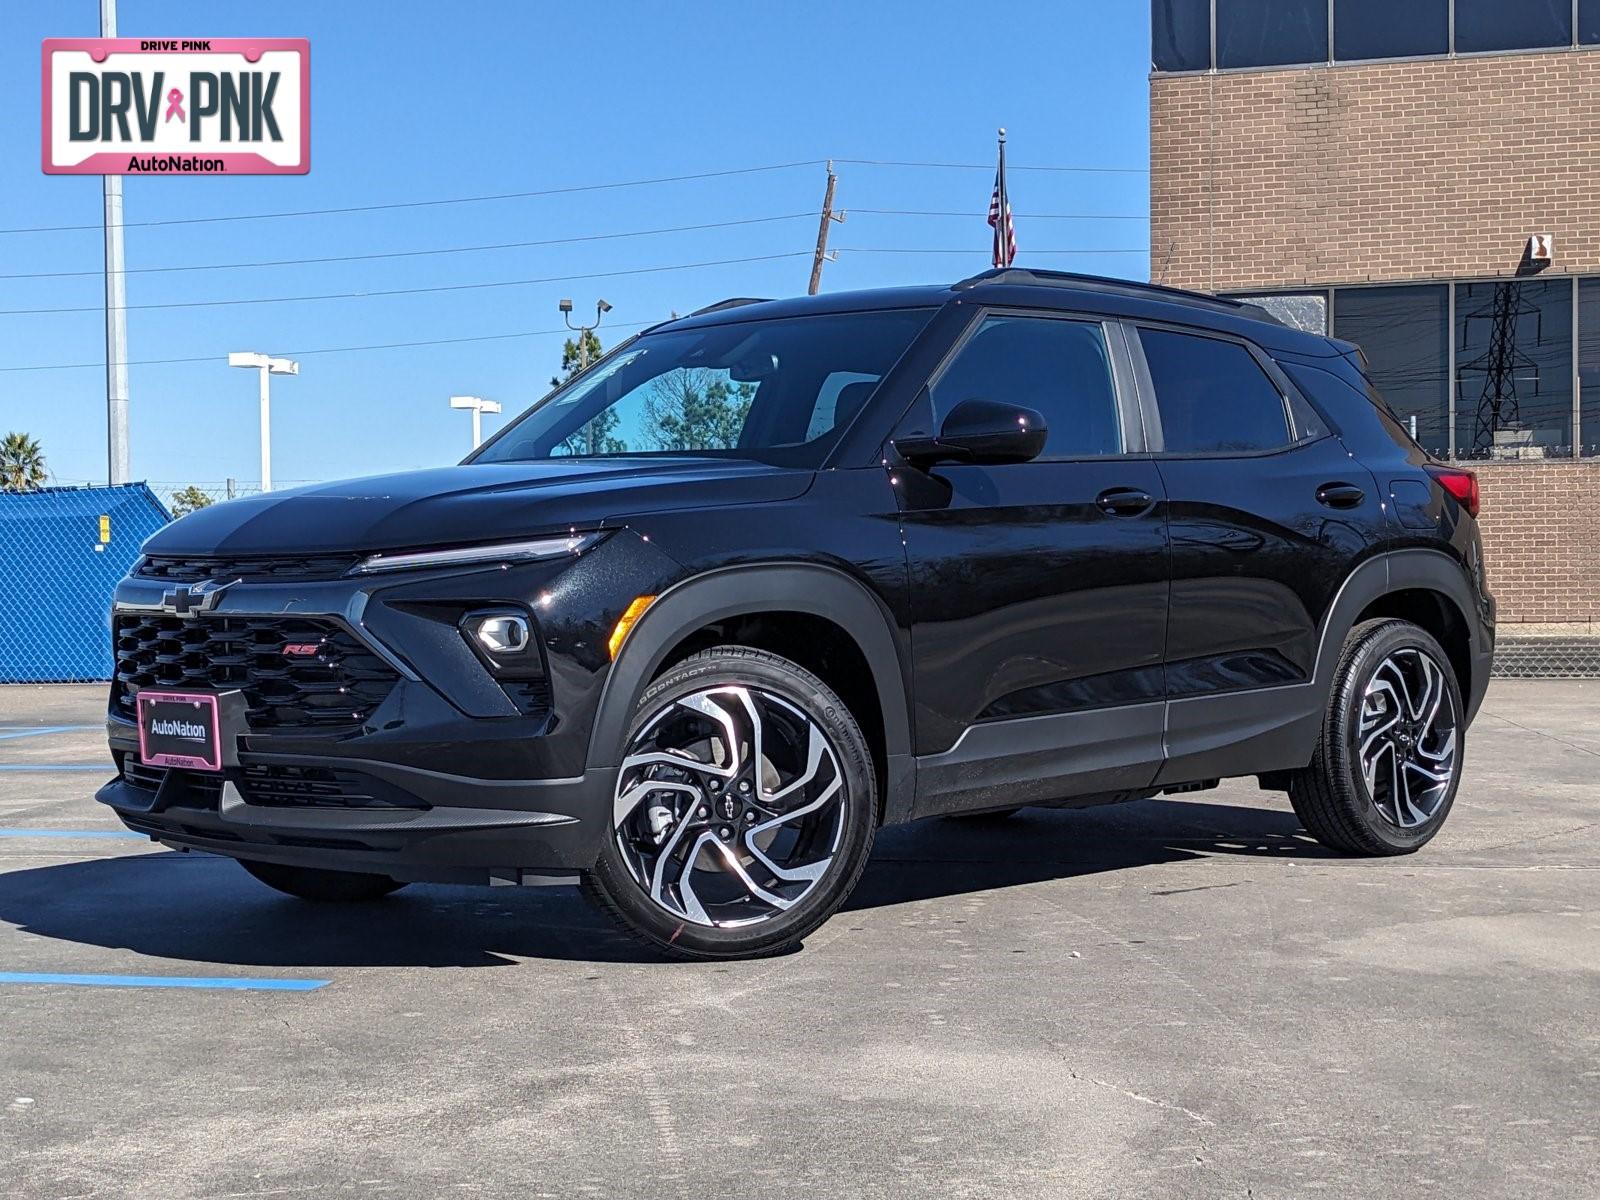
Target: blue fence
{"type": "Point", "coordinates": [62, 551]}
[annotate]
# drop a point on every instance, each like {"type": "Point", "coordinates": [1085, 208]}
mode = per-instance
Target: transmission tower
{"type": "Point", "coordinates": [1498, 405]}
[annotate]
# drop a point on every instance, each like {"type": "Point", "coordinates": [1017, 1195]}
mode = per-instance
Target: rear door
{"type": "Point", "coordinates": [1038, 590]}
{"type": "Point", "coordinates": [1268, 514]}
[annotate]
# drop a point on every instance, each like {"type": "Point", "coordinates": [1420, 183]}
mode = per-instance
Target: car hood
{"type": "Point", "coordinates": [482, 502]}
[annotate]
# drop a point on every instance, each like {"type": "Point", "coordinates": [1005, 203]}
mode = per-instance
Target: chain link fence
{"type": "Point", "coordinates": [64, 551]}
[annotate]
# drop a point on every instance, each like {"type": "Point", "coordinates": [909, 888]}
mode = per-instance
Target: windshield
{"type": "Point", "coordinates": [779, 391]}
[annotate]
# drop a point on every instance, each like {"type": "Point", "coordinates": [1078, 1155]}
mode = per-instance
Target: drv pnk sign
{"type": "Point", "coordinates": [164, 106]}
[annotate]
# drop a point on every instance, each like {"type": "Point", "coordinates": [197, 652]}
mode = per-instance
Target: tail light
{"type": "Point", "coordinates": [1463, 485]}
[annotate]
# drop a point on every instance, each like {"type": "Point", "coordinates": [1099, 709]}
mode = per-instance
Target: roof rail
{"type": "Point", "coordinates": [733, 302]}
{"type": "Point", "coordinates": [1028, 277]}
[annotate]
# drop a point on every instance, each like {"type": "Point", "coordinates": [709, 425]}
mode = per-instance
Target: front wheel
{"type": "Point", "coordinates": [1388, 762]}
{"type": "Point", "coordinates": [744, 808]}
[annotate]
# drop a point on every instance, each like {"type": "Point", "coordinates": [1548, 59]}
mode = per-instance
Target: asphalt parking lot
{"type": "Point", "coordinates": [1175, 998]}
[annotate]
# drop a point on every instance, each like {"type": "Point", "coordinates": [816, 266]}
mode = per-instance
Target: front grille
{"type": "Point", "coordinates": [338, 687]}
{"type": "Point", "coordinates": [282, 569]}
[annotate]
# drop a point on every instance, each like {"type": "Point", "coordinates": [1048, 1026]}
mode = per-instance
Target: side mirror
{"type": "Point", "coordinates": [980, 431]}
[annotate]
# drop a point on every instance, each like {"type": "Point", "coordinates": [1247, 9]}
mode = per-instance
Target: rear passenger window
{"type": "Point", "coordinates": [1058, 368]}
{"type": "Point", "coordinates": [1212, 395]}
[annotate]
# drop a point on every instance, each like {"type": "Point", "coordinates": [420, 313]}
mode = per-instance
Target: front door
{"type": "Point", "coordinates": [1038, 590]}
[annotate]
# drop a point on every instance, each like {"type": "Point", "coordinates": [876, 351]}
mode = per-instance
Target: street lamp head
{"type": "Point", "coordinates": [274, 366]}
{"type": "Point", "coordinates": [475, 403]}
{"type": "Point", "coordinates": [602, 308]}
{"type": "Point", "coordinates": [566, 305]}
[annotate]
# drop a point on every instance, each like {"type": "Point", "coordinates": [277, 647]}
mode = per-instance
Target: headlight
{"type": "Point", "coordinates": [540, 548]}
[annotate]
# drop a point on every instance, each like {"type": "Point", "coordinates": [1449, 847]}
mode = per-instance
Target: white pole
{"type": "Point", "coordinates": [477, 428]}
{"type": "Point", "coordinates": [118, 468]}
{"type": "Point", "coordinates": [266, 429]}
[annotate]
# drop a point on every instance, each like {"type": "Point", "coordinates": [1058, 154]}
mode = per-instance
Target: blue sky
{"type": "Point", "coordinates": [423, 101]}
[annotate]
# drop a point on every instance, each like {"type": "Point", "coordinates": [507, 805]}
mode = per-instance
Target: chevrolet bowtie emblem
{"type": "Point", "coordinates": [191, 599]}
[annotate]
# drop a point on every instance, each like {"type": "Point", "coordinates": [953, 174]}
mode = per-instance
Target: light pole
{"type": "Point", "coordinates": [601, 308]}
{"type": "Point", "coordinates": [268, 366]}
{"type": "Point", "coordinates": [478, 406]}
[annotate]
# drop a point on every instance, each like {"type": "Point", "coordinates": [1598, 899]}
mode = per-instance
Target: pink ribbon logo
{"type": "Point", "coordinates": [175, 106]}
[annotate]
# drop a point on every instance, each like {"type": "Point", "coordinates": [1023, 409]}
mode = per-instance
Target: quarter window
{"type": "Point", "coordinates": [1058, 368]}
{"type": "Point", "coordinates": [1212, 395]}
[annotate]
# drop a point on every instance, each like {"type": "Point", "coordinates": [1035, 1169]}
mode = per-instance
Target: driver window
{"type": "Point", "coordinates": [1059, 368]}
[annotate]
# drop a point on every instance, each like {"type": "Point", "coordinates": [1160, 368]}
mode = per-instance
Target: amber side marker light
{"type": "Point", "coordinates": [629, 618]}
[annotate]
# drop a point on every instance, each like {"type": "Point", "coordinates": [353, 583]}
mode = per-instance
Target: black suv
{"type": "Point", "coordinates": [774, 574]}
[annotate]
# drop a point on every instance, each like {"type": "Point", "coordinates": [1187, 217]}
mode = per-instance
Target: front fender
{"type": "Point", "coordinates": [768, 587]}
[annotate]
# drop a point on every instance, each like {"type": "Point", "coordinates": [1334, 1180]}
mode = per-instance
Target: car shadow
{"type": "Point", "coordinates": [202, 908]}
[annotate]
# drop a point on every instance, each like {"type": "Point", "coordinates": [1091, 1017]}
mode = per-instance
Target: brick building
{"type": "Point", "coordinates": [1375, 169]}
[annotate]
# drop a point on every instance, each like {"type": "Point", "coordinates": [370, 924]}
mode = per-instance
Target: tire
{"type": "Point", "coordinates": [719, 862]}
{"type": "Point", "coordinates": [322, 886]}
{"type": "Point", "coordinates": [1395, 702]}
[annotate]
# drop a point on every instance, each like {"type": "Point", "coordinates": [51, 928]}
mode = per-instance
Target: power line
{"type": "Point", "coordinates": [563, 191]}
{"type": "Point", "coordinates": [339, 258]}
{"type": "Point", "coordinates": [974, 250]}
{"type": "Point", "coordinates": [949, 166]}
{"type": "Point", "coordinates": [355, 208]}
{"type": "Point", "coordinates": [925, 212]}
{"type": "Point", "coordinates": [222, 357]}
{"type": "Point", "coordinates": [448, 287]}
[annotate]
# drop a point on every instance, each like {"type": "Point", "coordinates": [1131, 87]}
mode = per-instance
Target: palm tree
{"type": "Point", "coordinates": [21, 463]}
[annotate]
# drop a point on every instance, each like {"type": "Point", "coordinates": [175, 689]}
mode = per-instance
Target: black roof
{"type": "Point", "coordinates": [1033, 288]}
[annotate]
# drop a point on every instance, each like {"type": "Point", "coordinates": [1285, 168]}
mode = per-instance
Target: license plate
{"type": "Point", "coordinates": [180, 729]}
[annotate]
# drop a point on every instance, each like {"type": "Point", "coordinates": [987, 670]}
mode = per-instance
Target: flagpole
{"type": "Point", "coordinates": [1004, 227]}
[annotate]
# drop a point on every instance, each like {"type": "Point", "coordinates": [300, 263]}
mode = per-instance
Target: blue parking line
{"type": "Point", "coordinates": [168, 981]}
{"type": "Point", "coordinates": [45, 768]}
{"type": "Point", "coordinates": [7, 735]}
{"type": "Point", "coordinates": [70, 833]}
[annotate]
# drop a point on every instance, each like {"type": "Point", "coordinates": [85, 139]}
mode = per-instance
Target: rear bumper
{"type": "Point", "coordinates": [449, 829]}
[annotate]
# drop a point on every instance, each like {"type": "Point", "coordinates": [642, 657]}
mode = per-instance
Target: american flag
{"type": "Point", "coordinates": [1005, 233]}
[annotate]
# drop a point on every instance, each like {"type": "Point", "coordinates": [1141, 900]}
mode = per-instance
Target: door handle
{"type": "Point", "coordinates": [1340, 495]}
{"type": "Point", "coordinates": [1124, 502]}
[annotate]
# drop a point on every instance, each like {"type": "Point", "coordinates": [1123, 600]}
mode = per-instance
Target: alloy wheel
{"type": "Point", "coordinates": [1406, 738]}
{"type": "Point", "coordinates": [729, 807]}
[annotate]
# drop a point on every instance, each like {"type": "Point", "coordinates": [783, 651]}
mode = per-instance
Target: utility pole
{"type": "Point", "coordinates": [828, 217]}
{"type": "Point", "coordinates": [118, 468]}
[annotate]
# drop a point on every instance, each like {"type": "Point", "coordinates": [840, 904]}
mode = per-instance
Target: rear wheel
{"type": "Point", "coordinates": [744, 808]}
{"type": "Point", "coordinates": [314, 883]}
{"type": "Point", "coordinates": [1388, 762]}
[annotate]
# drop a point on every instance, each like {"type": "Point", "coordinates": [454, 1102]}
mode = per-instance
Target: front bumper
{"type": "Point", "coordinates": [433, 826]}
{"type": "Point", "coordinates": [443, 774]}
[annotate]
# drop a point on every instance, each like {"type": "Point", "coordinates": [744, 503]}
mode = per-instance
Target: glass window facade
{"type": "Point", "coordinates": [1514, 368]}
{"type": "Point", "coordinates": [1180, 35]}
{"type": "Point", "coordinates": [1589, 366]}
{"type": "Point", "coordinates": [1404, 332]}
{"type": "Point", "coordinates": [1281, 33]}
{"type": "Point", "coordinates": [1260, 33]}
{"type": "Point", "coordinates": [1483, 25]}
{"type": "Point", "coordinates": [1589, 22]}
{"type": "Point", "coordinates": [1386, 29]}
{"type": "Point", "coordinates": [1298, 310]}
{"type": "Point", "coordinates": [1504, 369]}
